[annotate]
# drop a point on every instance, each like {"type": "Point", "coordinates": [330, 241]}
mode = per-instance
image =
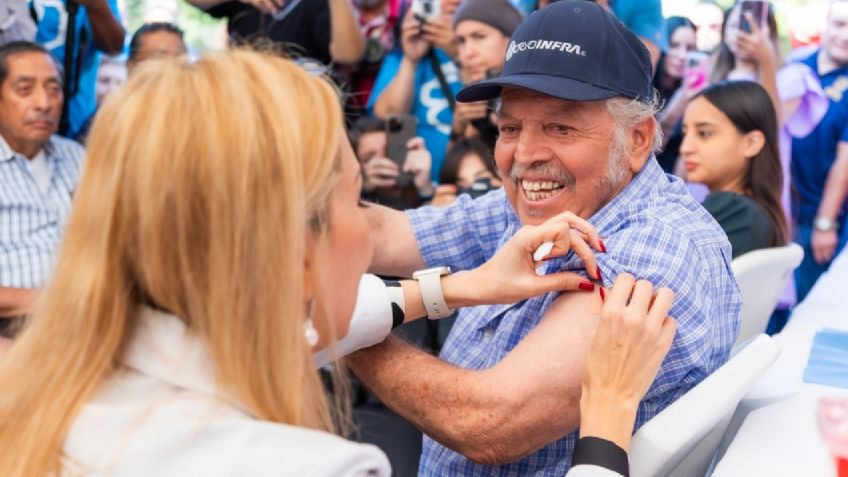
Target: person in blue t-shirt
{"type": "Point", "coordinates": [408, 82]}
{"type": "Point", "coordinates": [643, 17]}
{"type": "Point", "coordinates": [820, 160]}
{"type": "Point", "coordinates": [97, 29]}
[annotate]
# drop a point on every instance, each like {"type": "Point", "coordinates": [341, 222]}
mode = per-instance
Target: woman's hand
{"type": "Point", "coordinates": [633, 336]}
{"type": "Point", "coordinates": [467, 112]}
{"type": "Point", "coordinates": [413, 40]}
{"type": "Point", "coordinates": [510, 276]}
{"type": "Point", "coordinates": [379, 172]}
{"type": "Point", "coordinates": [439, 32]}
{"type": "Point", "coordinates": [756, 45]}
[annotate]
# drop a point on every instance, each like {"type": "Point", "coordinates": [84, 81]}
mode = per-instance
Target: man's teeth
{"type": "Point", "coordinates": [540, 190]}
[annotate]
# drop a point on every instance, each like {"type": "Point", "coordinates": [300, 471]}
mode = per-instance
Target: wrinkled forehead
{"type": "Point", "coordinates": [33, 65]}
{"type": "Point", "coordinates": [515, 102]}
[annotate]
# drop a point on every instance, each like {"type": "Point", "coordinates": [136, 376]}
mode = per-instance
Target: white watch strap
{"type": "Point", "coordinates": [430, 284]}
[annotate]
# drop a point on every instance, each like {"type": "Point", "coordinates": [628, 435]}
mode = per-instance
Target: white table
{"type": "Point", "coordinates": [778, 435]}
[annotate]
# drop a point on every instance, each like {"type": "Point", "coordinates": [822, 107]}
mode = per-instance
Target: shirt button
{"type": "Point", "coordinates": [488, 333]}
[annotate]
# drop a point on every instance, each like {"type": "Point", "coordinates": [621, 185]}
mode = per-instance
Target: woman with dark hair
{"type": "Point", "coordinates": [681, 40]}
{"type": "Point", "coordinates": [468, 168]}
{"type": "Point", "coordinates": [668, 81]}
{"type": "Point", "coordinates": [730, 145]}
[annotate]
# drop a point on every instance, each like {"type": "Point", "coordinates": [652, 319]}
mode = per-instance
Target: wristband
{"type": "Point", "coordinates": [395, 292]}
{"type": "Point", "coordinates": [430, 283]}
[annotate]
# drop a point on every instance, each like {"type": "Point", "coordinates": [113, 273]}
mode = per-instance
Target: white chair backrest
{"type": "Point", "coordinates": [762, 276]}
{"type": "Point", "coordinates": [682, 439]}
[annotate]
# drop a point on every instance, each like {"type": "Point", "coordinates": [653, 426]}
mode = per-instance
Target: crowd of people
{"type": "Point", "coordinates": [187, 242]}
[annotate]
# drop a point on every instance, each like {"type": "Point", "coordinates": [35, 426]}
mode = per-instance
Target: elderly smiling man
{"type": "Point", "coordinates": [577, 133]}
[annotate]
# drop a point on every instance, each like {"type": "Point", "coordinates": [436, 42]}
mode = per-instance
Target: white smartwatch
{"type": "Point", "coordinates": [430, 283]}
{"type": "Point", "coordinates": [824, 224]}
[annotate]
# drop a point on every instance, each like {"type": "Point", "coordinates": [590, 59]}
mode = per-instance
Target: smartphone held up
{"type": "Point", "coordinates": [400, 129]}
{"type": "Point", "coordinates": [426, 10]}
{"type": "Point", "coordinates": [757, 9]}
{"type": "Point", "coordinates": [696, 70]}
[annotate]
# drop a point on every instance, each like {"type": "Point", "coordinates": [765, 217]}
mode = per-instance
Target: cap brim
{"type": "Point", "coordinates": [563, 88]}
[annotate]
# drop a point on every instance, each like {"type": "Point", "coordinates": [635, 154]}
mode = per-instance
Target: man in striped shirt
{"type": "Point", "coordinates": [38, 174]}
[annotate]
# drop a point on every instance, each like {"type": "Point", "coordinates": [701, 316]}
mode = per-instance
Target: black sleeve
{"type": "Point", "coordinates": [602, 453]}
{"type": "Point", "coordinates": [321, 29]}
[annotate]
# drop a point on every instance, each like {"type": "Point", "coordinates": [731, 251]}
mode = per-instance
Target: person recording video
{"type": "Point", "coordinates": [400, 182]}
{"type": "Point", "coordinates": [420, 78]}
{"type": "Point", "coordinates": [482, 29]}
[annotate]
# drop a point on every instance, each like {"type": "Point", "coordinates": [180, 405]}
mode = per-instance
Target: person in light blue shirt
{"type": "Point", "coordinates": [97, 28]}
{"type": "Point", "coordinates": [38, 173]}
{"type": "Point", "coordinates": [577, 135]}
{"type": "Point", "coordinates": [408, 82]}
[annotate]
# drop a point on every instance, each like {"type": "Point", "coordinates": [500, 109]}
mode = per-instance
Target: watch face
{"type": "Point", "coordinates": [824, 224]}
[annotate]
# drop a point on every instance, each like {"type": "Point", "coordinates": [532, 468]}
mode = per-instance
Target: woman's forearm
{"type": "Point", "coordinates": [609, 418]}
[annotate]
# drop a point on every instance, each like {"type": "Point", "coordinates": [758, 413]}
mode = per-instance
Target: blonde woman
{"type": "Point", "coordinates": [214, 245]}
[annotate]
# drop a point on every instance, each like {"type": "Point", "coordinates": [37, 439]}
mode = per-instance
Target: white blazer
{"type": "Point", "coordinates": [163, 415]}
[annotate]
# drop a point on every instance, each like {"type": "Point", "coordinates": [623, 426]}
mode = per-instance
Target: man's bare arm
{"type": "Point", "coordinates": [395, 249]}
{"type": "Point", "coordinates": [499, 415]}
{"type": "Point", "coordinates": [833, 199]}
{"type": "Point", "coordinates": [16, 301]}
{"type": "Point", "coordinates": [108, 32]}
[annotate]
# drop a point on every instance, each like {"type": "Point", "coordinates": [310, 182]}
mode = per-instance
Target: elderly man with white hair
{"type": "Point", "coordinates": [577, 134]}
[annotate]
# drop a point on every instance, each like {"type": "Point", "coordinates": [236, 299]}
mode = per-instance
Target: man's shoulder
{"type": "Point", "coordinates": [670, 211]}
{"type": "Point", "coordinates": [64, 148]}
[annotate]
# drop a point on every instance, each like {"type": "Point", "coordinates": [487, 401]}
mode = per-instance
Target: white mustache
{"type": "Point", "coordinates": [41, 118]}
{"type": "Point", "coordinates": [544, 169]}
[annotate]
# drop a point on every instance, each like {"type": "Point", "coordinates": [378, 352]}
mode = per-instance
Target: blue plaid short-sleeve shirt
{"type": "Point", "coordinates": [654, 230]}
{"type": "Point", "coordinates": [32, 221]}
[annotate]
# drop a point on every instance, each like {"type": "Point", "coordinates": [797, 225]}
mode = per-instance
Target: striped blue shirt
{"type": "Point", "coordinates": [31, 222]}
{"type": "Point", "coordinates": [654, 230]}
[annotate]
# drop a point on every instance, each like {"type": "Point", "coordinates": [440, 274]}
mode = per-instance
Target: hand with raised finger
{"type": "Point", "coordinates": [633, 336]}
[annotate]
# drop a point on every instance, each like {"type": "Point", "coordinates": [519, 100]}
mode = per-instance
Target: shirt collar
{"type": "Point", "coordinates": [164, 348]}
{"type": "Point", "coordinates": [641, 185]}
{"type": "Point", "coordinates": [813, 63]}
{"type": "Point", "coordinates": [7, 154]}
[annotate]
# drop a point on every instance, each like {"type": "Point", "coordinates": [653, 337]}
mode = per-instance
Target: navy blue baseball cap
{"type": "Point", "coordinates": [575, 50]}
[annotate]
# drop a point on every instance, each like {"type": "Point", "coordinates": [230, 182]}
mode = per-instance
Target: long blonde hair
{"type": "Point", "coordinates": [201, 183]}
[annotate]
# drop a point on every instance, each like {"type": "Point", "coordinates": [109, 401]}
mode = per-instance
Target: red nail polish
{"type": "Point", "coordinates": [603, 295]}
{"type": "Point", "coordinates": [586, 285]}
{"type": "Point", "coordinates": [600, 277]}
{"type": "Point", "coordinates": [603, 247]}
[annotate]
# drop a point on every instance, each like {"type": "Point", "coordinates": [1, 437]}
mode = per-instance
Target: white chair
{"type": "Point", "coordinates": [682, 439]}
{"type": "Point", "coordinates": [762, 276]}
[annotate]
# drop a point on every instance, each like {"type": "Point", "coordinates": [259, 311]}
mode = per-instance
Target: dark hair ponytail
{"type": "Point", "coordinates": [749, 108]}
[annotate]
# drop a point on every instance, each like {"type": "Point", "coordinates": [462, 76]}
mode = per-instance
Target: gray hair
{"type": "Point", "coordinates": [627, 113]}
